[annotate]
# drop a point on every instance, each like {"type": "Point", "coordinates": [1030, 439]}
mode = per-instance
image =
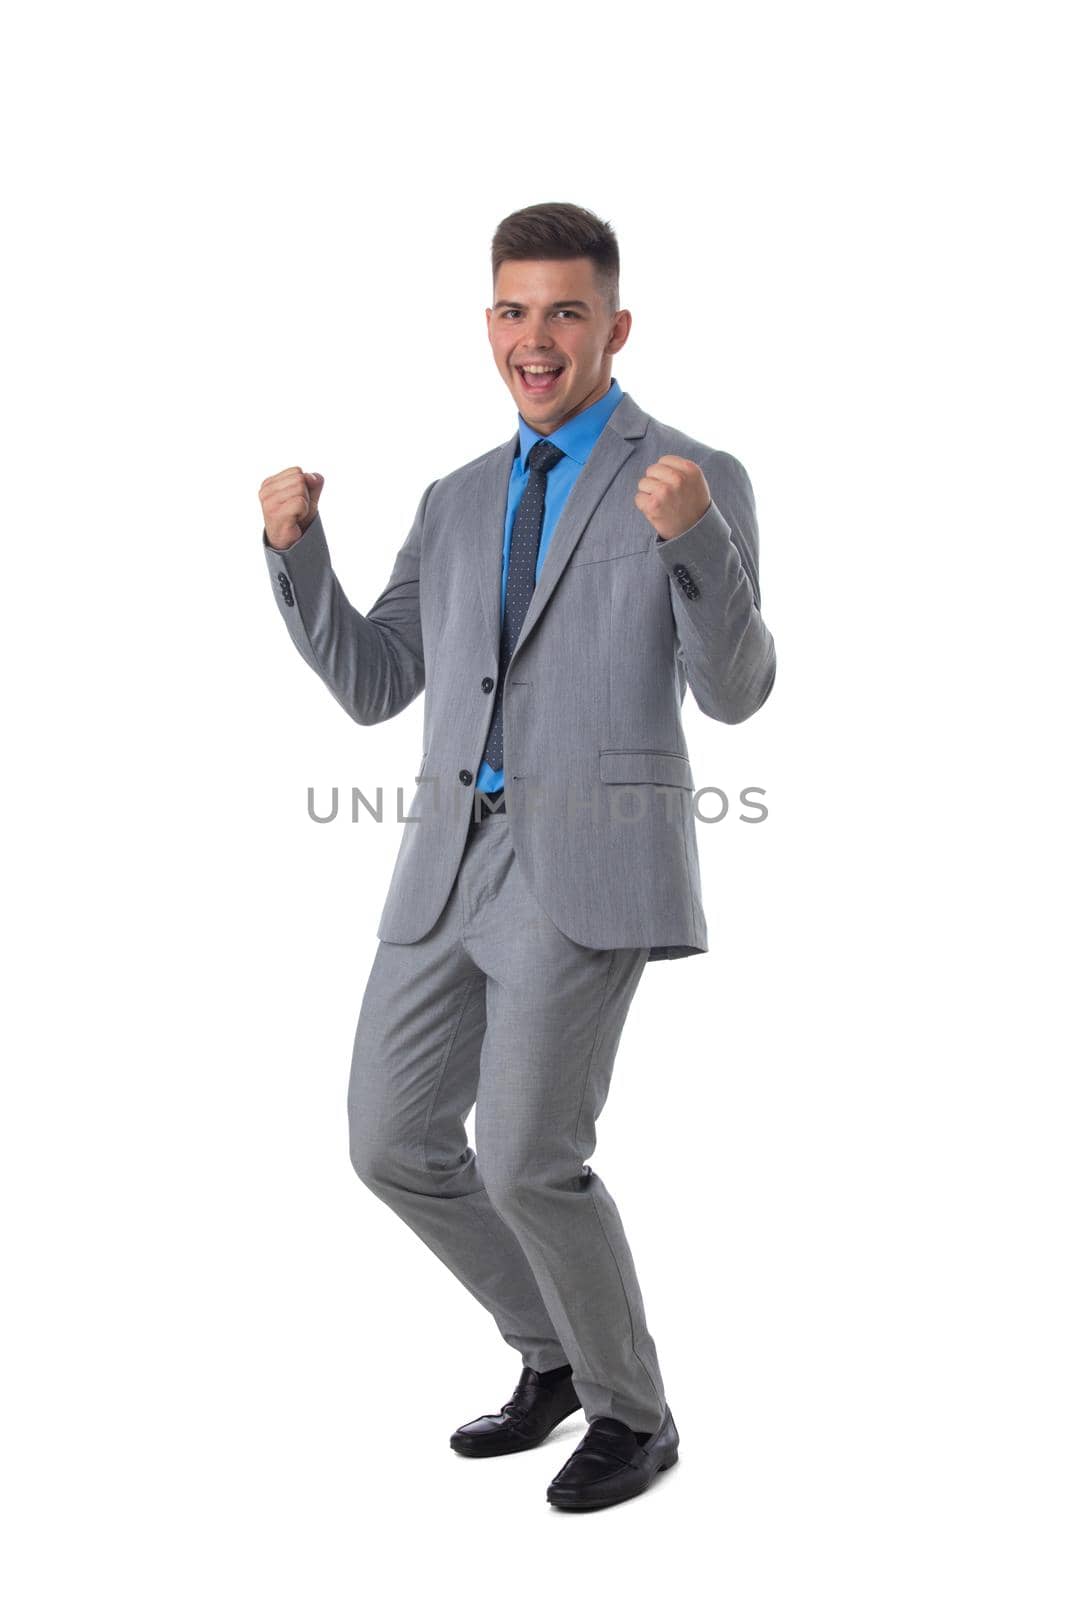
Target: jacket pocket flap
{"type": "Point", "coordinates": [645, 766]}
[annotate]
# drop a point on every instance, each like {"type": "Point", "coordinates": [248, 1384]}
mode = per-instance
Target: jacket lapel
{"type": "Point", "coordinates": [615, 445]}
{"type": "Point", "coordinates": [487, 520]}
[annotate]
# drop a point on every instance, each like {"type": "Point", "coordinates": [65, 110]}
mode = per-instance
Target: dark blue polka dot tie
{"type": "Point", "coordinates": [522, 575]}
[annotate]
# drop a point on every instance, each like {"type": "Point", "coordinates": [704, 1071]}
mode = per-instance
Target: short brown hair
{"type": "Point", "coordinates": [557, 231]}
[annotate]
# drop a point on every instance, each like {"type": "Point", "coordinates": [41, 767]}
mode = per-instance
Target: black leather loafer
{"type": "Point", "coordinates": [539, 1404]}
{"type": "Point", "coordinates": [612, 1464]}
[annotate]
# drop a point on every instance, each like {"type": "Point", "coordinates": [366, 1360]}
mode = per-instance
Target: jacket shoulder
{"type": "Point", "coordinates": [460, 478]}
{"type": "Point", "coordinates": [675, 441]}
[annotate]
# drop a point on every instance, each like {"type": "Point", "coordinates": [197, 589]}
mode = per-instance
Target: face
{"type": "Point", "coordinates": [552, 314]}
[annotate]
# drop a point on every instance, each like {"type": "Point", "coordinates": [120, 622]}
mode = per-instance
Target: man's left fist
{"type": "Point", "coordinates": [673, 495]}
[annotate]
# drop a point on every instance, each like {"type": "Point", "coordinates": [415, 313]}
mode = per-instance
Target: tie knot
{"type": "Point", "coordinates": [543, 456]}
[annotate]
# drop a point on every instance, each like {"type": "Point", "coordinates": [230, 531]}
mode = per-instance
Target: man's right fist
{"type": "Point", "coordinates": [290, 500]}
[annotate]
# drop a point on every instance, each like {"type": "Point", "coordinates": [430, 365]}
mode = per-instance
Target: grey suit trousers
{"type": "Point", "coordinates": [495, 1006]}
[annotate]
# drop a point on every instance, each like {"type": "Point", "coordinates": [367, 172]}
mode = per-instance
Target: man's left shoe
{"type": "Point", "coordinates": [612, 1464]}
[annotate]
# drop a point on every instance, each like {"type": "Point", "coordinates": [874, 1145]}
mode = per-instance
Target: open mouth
{"type": "Point", "coordinates": [540, 377]}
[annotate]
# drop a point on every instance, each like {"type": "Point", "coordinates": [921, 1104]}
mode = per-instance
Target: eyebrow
{"type": "Point", "coordinates": [555, 306]}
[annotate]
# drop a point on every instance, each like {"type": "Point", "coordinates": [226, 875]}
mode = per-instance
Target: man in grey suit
{"type": "Point", "coordinates": [555, 597]}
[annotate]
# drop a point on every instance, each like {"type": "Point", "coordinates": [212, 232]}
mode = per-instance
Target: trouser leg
{"type": "Point", "coordinates": [415, 1063]}
{"type": "Point", "coordinates": [554, 1014]}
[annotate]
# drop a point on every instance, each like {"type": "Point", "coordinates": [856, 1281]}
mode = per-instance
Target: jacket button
{"type": "Point", "coordinates": [465, 776]}
{"type": "Point", "coordinates": [487, 685]}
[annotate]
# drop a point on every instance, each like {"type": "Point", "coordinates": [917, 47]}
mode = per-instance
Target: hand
{"type": "Point", "coordinates": [673, 495]}
{"type": "Point", "coordinates": [290, 500]}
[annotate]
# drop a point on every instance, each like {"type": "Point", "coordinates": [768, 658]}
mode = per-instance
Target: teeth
{"type": "Point", "coordinates": [542, 369]}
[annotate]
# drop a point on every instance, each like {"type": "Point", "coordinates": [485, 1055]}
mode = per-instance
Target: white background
{"type": "Point", "coordinates": [242, 238]}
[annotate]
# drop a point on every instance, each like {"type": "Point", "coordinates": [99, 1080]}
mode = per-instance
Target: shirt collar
{"type": "Point", "coordinates": [576, 437]}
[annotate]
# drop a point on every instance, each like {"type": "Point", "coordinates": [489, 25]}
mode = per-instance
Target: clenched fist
{"type": "Point", "coordinates": [673, 495]}
{"type": "Point", "coordinates": [290, 500]}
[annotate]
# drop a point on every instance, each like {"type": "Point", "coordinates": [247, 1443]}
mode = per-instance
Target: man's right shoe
{"type": "Point", "coordinates": [539, 1404]}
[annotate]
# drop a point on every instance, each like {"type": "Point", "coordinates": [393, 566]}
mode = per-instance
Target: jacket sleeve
{"type": "Point", "coordinates": [373, 665]}
{"type": "Point", "coordinates": [727, 649]}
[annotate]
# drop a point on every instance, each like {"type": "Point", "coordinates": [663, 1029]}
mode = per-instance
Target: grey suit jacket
{"type": "Point", "coordinates": [620, 623]}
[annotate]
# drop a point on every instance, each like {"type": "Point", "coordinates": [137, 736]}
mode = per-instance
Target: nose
{"type": "Point", "coordinates": [537, 338]}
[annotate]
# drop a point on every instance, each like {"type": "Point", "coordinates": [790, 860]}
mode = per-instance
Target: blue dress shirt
{"type": "Point", "coordinates": [576, 439]}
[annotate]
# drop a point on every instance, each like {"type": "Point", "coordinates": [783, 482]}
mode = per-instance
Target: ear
{"type": "Point", "coordinates": [620, 332]}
